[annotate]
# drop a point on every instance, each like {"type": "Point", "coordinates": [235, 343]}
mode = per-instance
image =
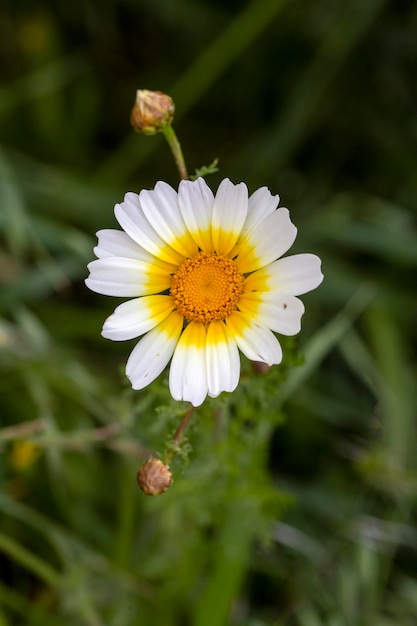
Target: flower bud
{"type": "Point", "coordinates": [152, 111]}
{"type": "Point", "coordinates": [154, 477]}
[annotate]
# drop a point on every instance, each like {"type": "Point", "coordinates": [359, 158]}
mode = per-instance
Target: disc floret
{"type": "Point", "coordinates": [207, 287]}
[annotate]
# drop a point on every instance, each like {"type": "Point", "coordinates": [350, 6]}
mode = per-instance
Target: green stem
{"type": "Point", "coordinates": [178, 435]}
{"type": "Point", "coordinates": [176, 150]}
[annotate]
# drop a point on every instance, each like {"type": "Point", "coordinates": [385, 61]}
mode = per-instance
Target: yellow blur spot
{"type": "Point", "coordinates": [24, 454]}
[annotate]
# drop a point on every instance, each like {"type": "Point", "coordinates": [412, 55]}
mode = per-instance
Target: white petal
{"type": "Point", "coordinates": [223, 362]}
{"type": "Point", "coordinates": [266, 243]}
{"type": "Point", "coordinates": [113, 242]}
{"type": "Point", "coordinates": [114, 276]}
{"type": "Point", "coordinates": [196, 200]}
{"type": "Point", "coordinates": [256, 341]}
{"type": "Point", "coordinates": [132, 219]}
{"type": "Point", "coordinates": [188, 373]}
{"type": "Point", "coordinates": [229, 213]}
{"type": "Point", "coordinates": [136, 317]}
{"type": "Point", "coordinates": [261, 204]}
{"type": "Point", "coordinates": [160, 206]}
{"type": "Point", "coordinates": [151, 355]}
{"type": "Point", "coordinates": [280, 312]}
{"type": "Point", "coordinates": [295, 274]}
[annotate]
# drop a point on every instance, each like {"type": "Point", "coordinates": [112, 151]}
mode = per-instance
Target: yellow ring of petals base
{"type": "Point", "coordinates": [207, 287]}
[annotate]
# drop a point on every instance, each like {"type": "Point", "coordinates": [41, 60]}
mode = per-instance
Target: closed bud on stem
{"type": "Point", "coordinates": [154, 477]}
{"type": "Point", "coordinates": [152, 111]}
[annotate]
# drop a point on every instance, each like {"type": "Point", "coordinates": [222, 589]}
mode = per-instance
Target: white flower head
{"type": "Point", "coordinates": [206, 280]}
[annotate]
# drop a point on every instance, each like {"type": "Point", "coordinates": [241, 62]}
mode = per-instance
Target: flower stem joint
{"type": "Point", "coordinates": [152, 111]}
{"type": "Point", "coordinates": [154, 477]}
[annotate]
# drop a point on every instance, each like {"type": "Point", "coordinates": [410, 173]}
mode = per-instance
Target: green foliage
{"type": "Point", "coordinates": [293, 501]}
{"type": "Point", "coordinates": [205, 170]}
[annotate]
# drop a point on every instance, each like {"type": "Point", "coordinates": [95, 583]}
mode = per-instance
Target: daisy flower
{"type": "Point", "coordinates": [206, 280]}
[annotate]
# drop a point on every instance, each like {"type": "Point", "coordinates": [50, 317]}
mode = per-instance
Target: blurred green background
{"type": "Point", "coordinates": [294, 498]}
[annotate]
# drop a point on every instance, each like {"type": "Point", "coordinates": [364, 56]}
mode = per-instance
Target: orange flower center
{"type": "Point", "coordinates": [207, 287]}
